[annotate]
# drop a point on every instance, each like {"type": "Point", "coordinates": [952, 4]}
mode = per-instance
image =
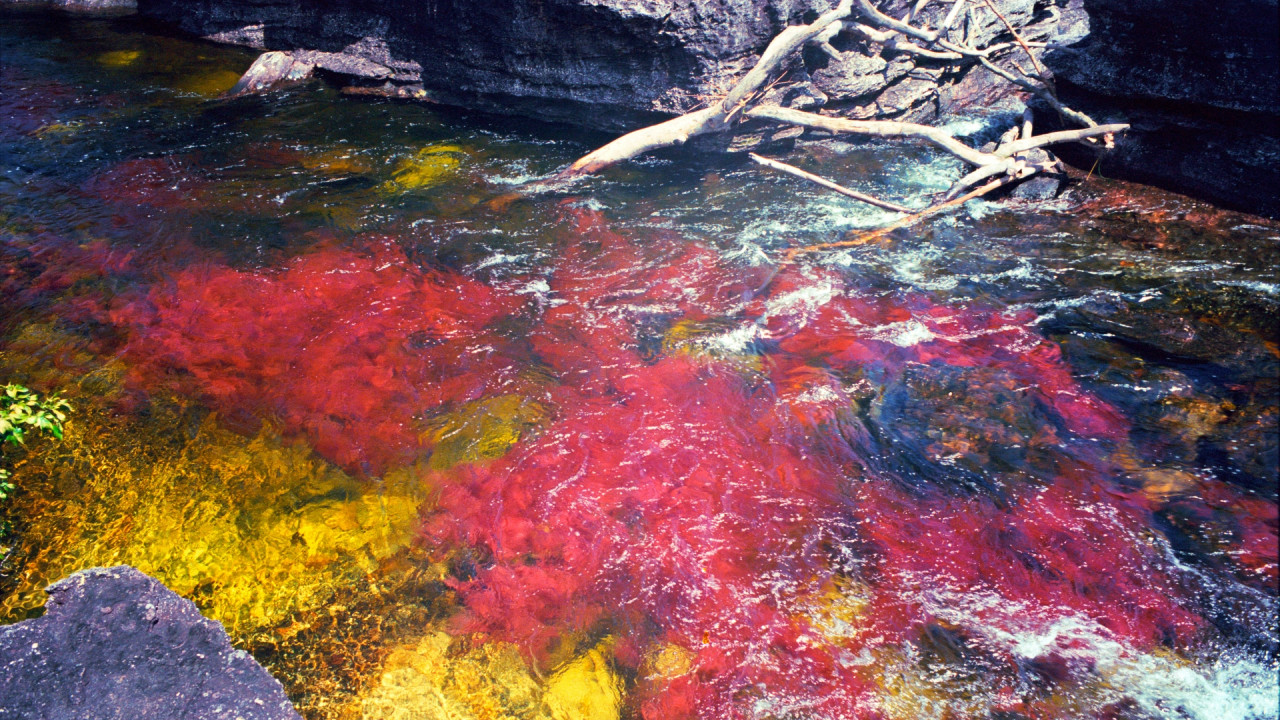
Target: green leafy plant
{"type": "Point", "coordinates": [21, 412]}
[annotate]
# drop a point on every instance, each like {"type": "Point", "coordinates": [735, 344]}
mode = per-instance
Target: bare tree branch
{"type": "Point", "coordinates": [804, 175]}
{"type": "Point", "coordinates": [1017, 37]}
{"type": "Point", "coordinates": [868, 236]}
{"type": "Point", "coordinates": [677, 131]}
{"type": "Point", "coordinates": [876, 128]}
{"type": "Point", "coordinates": [1008, 163]}
{"type": "Point", "coordinates": [1060, 137]}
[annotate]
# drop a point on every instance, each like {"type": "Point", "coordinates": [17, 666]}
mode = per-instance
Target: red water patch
{"type": "Point", "coordinates": [1064, 551]}
{"type": "Point", "coordinates": [683, 502]}
{"type": "Point", "coordinates": [699, 504]}
{"type": "Point", "coordinates": [28, 103]}
{"type": "Point", "coordinates": [878, 337]}
{"type": "Point", "coordinates": [345, 347]}
{"type": "Point", "coordinates": [161, 182]}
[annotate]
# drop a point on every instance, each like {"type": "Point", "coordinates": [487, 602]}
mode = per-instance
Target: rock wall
{"type": "Point", "coordinates": [1199, 82]}
{"type": "Point", "coordinates": [115, 644]}
{"type": "Point", "coordinates": [607, 64]}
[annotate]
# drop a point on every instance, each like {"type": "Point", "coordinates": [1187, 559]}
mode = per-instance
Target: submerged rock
{"type": "Point", "coordinates": [115, 643]}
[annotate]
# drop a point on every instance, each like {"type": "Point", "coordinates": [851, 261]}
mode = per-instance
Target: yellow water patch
{"type": "Point", "coordinates": [669, 661]}
{"type": "Point", "coordinates": [696, 338]}
{"type": "Point", "coordinates": [439, 678]}
{"type": "Point", "coordinates": [482, 430]}
{"type": "Point", "coordinates": [253, 529]}
{"type": "Point", "coordinates": [586, 688]}
{"type": "Point", "coordinates": [119, 58]}
{"type": "Point", "coordinates": [839, 610]}
{"type": "Point", "coordinates": [58, 128]}
{"type": "Point", "coordinates": [428, 166]}
{"type": "Point", "coordinates": [209, 83]}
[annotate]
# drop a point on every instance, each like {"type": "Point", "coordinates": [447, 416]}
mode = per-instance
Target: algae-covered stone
{"type": "Point", "coordinates": [425, 168]}
{"type": "Point", "coordinates": [586, 688]}
{"type": "Point", "coordinates": [119, 58]}
{"type": "Point", "coordinates": [439, 678]}
{"type": "Point", "coordinates": [209, 83]}
{"type": "Point", "coordinates": [482, 430]}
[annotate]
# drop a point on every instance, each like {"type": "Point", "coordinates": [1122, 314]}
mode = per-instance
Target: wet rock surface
{"type": "Point", "coordinates": [1200, 84]}
{"type": "Point", "coordinates": [115, 643]}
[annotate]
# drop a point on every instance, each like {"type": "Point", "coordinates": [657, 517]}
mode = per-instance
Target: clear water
{"type": "Point", "coordinates": [430, 445]}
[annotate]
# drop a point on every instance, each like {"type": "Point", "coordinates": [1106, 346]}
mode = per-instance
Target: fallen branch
{"type": "Point", "coordinates": [868, 236]}
{"type": "Point", "coordinates": [1060, 136]}
{"type": "Point", "coordinates": [1009, 162]}
{"type": "Point", "coordinates": [677, 131]}
{"type": "Point", "coordinates": [874, 128]}
{"type": "Point", "coordinates": [819, 180]}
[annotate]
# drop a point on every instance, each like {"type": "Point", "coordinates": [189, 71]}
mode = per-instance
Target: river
{"type": "Point", "coordinates": [429, 444]}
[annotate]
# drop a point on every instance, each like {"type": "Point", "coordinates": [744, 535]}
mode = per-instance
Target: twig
{"type": "Point", "coordinates": [804, 175]}
{"type": "Point", "coordinates": [951, 16]}
{"type": "Point", "coordinates": [1018, 37]}
{"type": "Point", "coordinates": [908, 221]}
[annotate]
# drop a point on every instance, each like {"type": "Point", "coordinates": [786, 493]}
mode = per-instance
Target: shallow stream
{"type": "Point", "coordinates": [429, 445]}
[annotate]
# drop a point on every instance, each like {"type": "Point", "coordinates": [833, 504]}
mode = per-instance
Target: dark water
{"type": "Point", "coordinates": [429, 446]}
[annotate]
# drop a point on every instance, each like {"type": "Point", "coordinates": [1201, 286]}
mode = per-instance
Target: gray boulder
{"type": "Point", "coordinates": [116, 644]}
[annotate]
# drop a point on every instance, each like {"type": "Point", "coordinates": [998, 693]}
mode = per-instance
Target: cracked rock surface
{"type": "Point", "coordinates": [115, 644]}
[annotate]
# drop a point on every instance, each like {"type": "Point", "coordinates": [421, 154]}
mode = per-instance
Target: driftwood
{"type": "Point", "coordinates": [715, 118]}
{"type": "Point", "coordinates": [1009, 162]}
{"type": "Point", "coordinates": [804, 175]}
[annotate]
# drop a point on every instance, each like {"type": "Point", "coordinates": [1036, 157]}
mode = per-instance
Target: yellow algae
{"type": "Point", "coordinates": [253, 529]}
{"type": "Point", "coordinates": [909, 690]}
{"type": "Point", "coordinates": [586, 688]}
{"type": "Point", "coordinates": [669, 661]}
{"type": "Point", "coordinates": [209, 83]}
{"type": "Point", "coordinates": [119, 58]}
{"type": "Point", "coordinates": [707, 339]}
{"type": "Point", "coordinates": [44, 355]}
{"type": "Point", "coordinates": [437, 678]}
{"type": "Point", "coordinates": [427, 167]}
{"type": "Point", "coordinates": [58, 128]}
{"type": "Point", "coordinates": [838, 611]}
{"type": "Point", "coordinates": [482, 430]}
{"type": "Point", "coordinates": [440, 676]}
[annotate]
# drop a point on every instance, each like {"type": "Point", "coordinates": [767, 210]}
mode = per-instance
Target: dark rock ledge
{"type": "Point", "coordinates": [115, 644]}
{"type": "Point", "coordinates": [1198, 81]}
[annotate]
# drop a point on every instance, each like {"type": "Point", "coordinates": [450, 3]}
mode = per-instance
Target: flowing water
{"type": "Point", "coordinates": [429, 445]}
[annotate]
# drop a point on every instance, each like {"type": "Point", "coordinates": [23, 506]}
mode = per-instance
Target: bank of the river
{"type": "Point", "coordinates": [1197, 82]}
{"type": "Point", "coordinates": [425, 444]}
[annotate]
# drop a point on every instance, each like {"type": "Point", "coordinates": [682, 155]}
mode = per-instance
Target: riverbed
{"type": "Point", "coordinates": [429, 443]}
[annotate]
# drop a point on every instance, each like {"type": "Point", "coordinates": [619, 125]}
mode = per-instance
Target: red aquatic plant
{"type": "Point", "coordinates": [700, 504]}
{"type": "Point", "coordinates": [344, 347]}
